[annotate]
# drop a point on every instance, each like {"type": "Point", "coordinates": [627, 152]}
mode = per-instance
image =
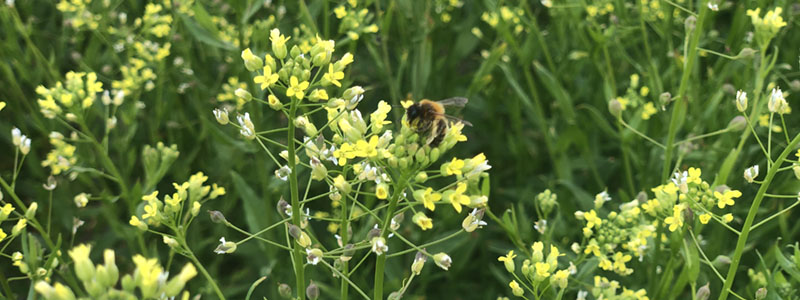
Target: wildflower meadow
{"type": "Point", "coordinates": [399, 149]}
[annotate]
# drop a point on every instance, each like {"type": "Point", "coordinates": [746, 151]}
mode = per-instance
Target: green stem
{"type": "Point", "coordinates": [751, 215]}
{"type": "Point", "coordinates": [380, 262]}
{"type": "Point", "coordinates": [297, 253]}
{"type": "Point", "coordinates": [203, 270]}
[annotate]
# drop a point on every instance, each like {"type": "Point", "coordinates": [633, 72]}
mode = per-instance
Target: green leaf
{"type": "Point", "coordinates": [254, 207]}
{"type": "Point", "coordinates": [786, 264]}
{"type": "Point", "coordinates": [203, 35]}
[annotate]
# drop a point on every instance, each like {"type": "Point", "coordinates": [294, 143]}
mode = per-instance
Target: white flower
{"type": "Point", "coordinates": [741, 100]}
{"type": "Point", "coordinates": [713, 6]}
{"type": "Point", "coordinates": [751, 173]}
{"type": "Point", "coordinates": [16, 136]}
{"type": "Point", "coordinates": [313, 256]}
{"type": "Point", "coordinates": [777, 103]}
{"type": "Point", "coordinates": [379, 245]}
{"type": "Point", "coordinates": [283, 173]}
{"type": "Point", "coordinates": [582, 295]}
{"type": "Point", "coordinates": [248, 130]}
{"type": "Point", "coordinates": [225, 247]}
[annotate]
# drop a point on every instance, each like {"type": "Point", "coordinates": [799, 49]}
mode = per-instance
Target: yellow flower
{"type": "Point", "coordinates": [726, 198]}
{"type": "Point", "coordinates": [508, 260]}
{"type": "Point", "coordinates": [216, 191]}
{"type": "Point", "coordinates": [727, 218]}
{"type": "Point", "coordinates": [422, 221]}
{"type": "Point", "coordinates": [694, 176]}
{"type": "Point", "coordinates": [268, 78]}
{"type": "Point", "coordinates": [560, 278]}
{"type": "Point", "coordinates": [542, 271]}
{"type": "Point", "coordinates": [516, 289]}
{"type": "Point", "coordinates": [676, 220]}
{"type": "Point", "coordinates": [428, 197]}
{"type": "Point", "coordinates": [296, 89]}
{"type": "Point", "coordinates": [648, 110]}
{"type": "Point", "coordinates": [454, 167]}
{"type": "Point", "coordinates": [704, 218]}
{"type": "Point", "coordinates": [456, 197]}
{"type": "Point", "coordinates": [619, 262]}
{"type": "Point", "coordinates": [382, 191]}
{"type": "Point", "coordinates": [592, 219]}
{"type": "Point", "coordinates": [332, 77]}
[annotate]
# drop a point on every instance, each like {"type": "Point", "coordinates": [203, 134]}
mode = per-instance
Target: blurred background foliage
{"type": "Point", "coordinates": [538, 81]}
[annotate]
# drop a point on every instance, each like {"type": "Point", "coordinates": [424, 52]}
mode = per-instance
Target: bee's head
{"type": "Point", "coordinates": [413, 112]}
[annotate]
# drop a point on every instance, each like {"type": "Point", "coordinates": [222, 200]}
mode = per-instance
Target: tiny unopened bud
{"type": "Point", "coordinates": [81, 200]}
{"type": "Point", "coordinates": [217, 217]}
{"type": "Point", "coordinates": [745, 53]}
{"type": "Point", "coordinates": [690, 23]}
{"type": "Point", "coordinates": [172, 243]}
{"type": "Point", "coordinates": [761, 293]}
{"type": "Point", "coordinates": [615, 108]}
{"type": "Point", "coordinates": [31, 212]}
{"type": "Point", "coordinates": [738, 123]}
{"type": "Point", "coordinates": [312, 291]}
{"type": "Point", "coordinates": [243, 94]}
{"type": "Point", "coordinates": [285, 291]}
{"type": "Point", "coordinates": [421, 177]}
{"type": "Point", "coordinates": [284, 209]}
{"type": "Point", "coordinates": [796, 170]}
{"type": "Point", "coordinates": [703, 293]}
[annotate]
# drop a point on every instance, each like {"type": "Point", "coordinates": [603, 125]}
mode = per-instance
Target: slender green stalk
{"type": "Point", "coordinates": [751, 215]}
{"type": "Point", "coordinates": [203, 270]}
{"type": "Point", "coordinates": [297, 253]}
{"type": "Point", "coordinates": [380, 262]}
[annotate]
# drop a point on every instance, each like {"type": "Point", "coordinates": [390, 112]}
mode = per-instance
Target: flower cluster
{"type": "Point", "coordinates": [62, 157]}
{"type": "Point", "coordinates": [77, 93]}
{"type": "Point", "coordinates": [77, 14]}
{"type": "Point", "coordinates": [511, 17]}
{"type": "Point", "coordinates": [354, 21]}
{"type": "Point", "coordinates": [688, 195]}
{"type": "Point", "coordinates": [607, 289]}
{"type": "Point", "coordinates": [180, 207]}
{"type": "Point", "coordinates": [538, 271]}
{"type": "Point", "coordinates": [768, 26]}
{"type": "Point", "coordinates": [618, 237]}
{"type": "Point", "coordinates": [101, 281]}
{"type": "Point", "coordinates": [445, 8]}
{"type": "Point", "coordinates": [637, 97]}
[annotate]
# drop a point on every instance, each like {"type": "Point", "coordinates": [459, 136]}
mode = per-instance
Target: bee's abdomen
{"type": "Point", "coordinates": [441, 131]}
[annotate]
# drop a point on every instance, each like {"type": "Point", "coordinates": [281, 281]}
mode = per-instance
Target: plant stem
{"type": "Point", "coordinates": [380, 262]}
{"type": "Point", "coordinates": [203, 270]}
{"type": "Point", "coordinates": [751, 215]}
{"type": "Point", "coordinates": [297, 254]}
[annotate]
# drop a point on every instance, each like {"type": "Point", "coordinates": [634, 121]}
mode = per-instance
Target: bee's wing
{"type": "Point", "coordinates": [455, 119]}
{"type": "Point", "coordinates": [454, 102]}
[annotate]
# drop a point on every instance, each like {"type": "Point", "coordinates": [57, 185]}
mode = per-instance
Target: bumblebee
{"type": "Point", "coordinates": [428, 118]}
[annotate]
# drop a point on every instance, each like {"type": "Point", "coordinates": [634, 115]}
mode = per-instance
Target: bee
{"type": "Point", "coordinates": [428, 118]}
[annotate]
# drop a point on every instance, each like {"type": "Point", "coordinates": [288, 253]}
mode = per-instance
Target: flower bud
{"type": "Point", "coordinates": [442, 260]}
{"type": "Point", "coordinates": [312, 291]}
{"type": "Point", "coordinates": [474, 220]}
{"type": "Point", "coordinates": [382, 191]}
{"type": "Point", "coordinates": [285, 291]}
{"type": "Point", "coordinates": [738, 123]}
{"type": "Point", "coordinates": [31, 213]}
{"type": "Point", "coordinates": [341, 185]}
{"type": "Point", "coordinates": [690, 23]}
{"type": "Point", "coordinates": [421, 177]}
{"type": "Point", "coordinates": [21, 224]}
{"type": "Point", "coordinates": [419, 262]}
{"type": "Point", "coordinates": [221, 115]}
{"type": "Point", "coordinates": [664, 99]}
{"type": "Point", "coordinates": [301, 237]}
{"type": "Point", "coordinates": [761, 293]}
{"type": "Point", "coordinates": [615, 108]}
{"type": "Point", "coordinates": [746, 53]}
{"type": "Point", "coordinates": [243, 94]}
{"type": "Point", "coordinates": [796, 170]}
{"type": "Point", "coordinates": [251, 62]}
{"type": "Point", "coordinates": [703, 293]}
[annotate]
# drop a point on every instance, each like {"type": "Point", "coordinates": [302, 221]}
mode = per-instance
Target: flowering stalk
{"type": "Point", "coordinates": [679, 113]}
{"type": "Point", "coordinates": [297, 252]}
{"type": "Point", "coordinates": [188, 253]}
{"type": "Point", "coordinates": [751, 215]}
{"type": "Point", "coordinates": [380, 261]}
